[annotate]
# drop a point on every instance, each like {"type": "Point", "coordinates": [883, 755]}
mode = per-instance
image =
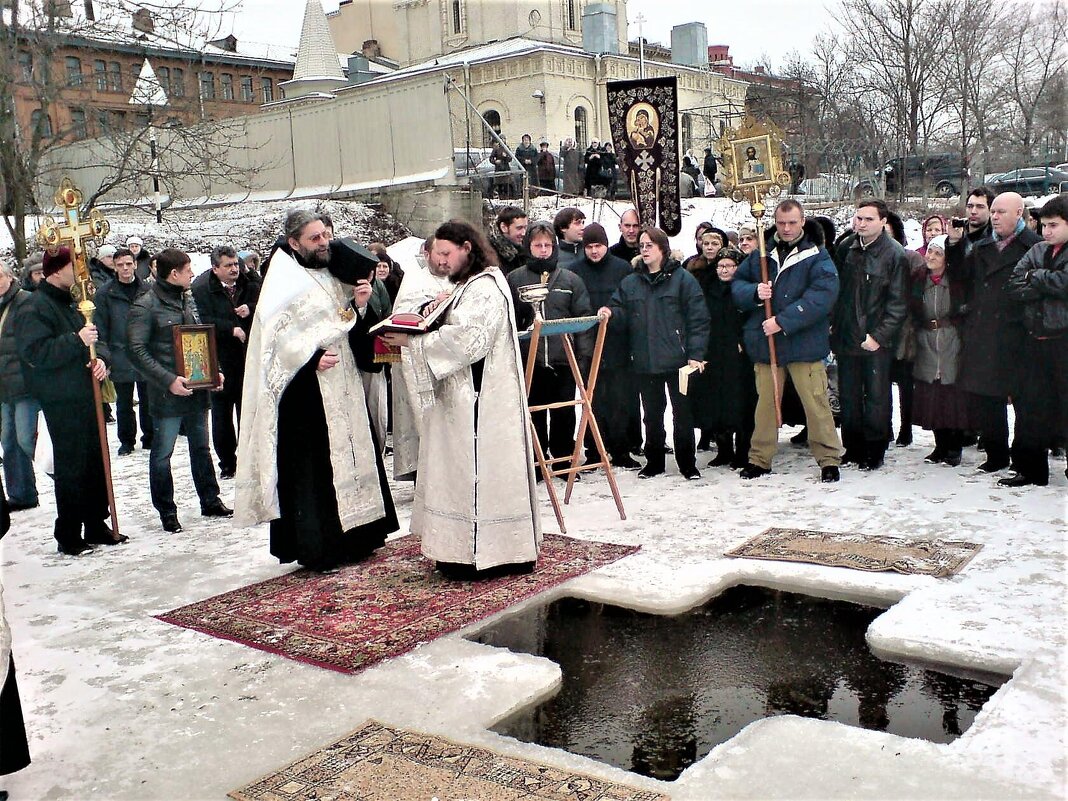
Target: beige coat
{"type": "Point", "coordinates": [475, 499]}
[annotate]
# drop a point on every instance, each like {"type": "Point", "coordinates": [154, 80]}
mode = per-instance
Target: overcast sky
{"type": "Point", "coordinates": [780, 25]}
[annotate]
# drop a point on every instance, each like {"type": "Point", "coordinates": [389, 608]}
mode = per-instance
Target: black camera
{"type": "Point", "coordinates": [958, 222]}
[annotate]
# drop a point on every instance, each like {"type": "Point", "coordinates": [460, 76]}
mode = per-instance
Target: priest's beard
{"type": "Point", "coordinates": [314, 258]}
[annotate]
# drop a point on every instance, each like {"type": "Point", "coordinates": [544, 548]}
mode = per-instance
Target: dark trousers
{"type": "Point", "coordinates": [81, 492]}
{"type": "Point", "coordinates": [224, 405]}
{"type": "Point", "coordinates": [610, 407]}
{"type": "Point", "coordinates": [1041, 406]}
{"type": "Point", "coordinates": [901, 374]}
{"type": "Point", "coordinates": [556, 429]}
{"type": "Point", "coordinates": [165, 434]}
{"type": "Point", "coordinates": [126, 420]}
{"type": "Point", "coordinates": [992, 422]}
{"type": "Point", "coordinates": [864, 392]}
{"type": "Point", "coordinates": [654, 400]}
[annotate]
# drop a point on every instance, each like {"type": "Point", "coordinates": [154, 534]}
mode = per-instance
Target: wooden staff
{"type": "Point", "coordinates": [758, 212]}
{"type": "Point", "coordinates": [87, 308]}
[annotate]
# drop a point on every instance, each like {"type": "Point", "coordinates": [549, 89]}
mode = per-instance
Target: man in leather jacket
{"type": "Point", "coordinates": [867, 319]}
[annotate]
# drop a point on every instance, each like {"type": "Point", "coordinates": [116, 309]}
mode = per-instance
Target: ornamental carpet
{"type": "Point", "coordinates": [379, 608]}
{"type": "Point", "coordinates": [382, 763]}
{"type": "Point", "coordinates": [874, 552]}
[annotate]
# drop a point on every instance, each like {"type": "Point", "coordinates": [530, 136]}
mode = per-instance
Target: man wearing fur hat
{"type": "Point", "coordinates": [53, 342]}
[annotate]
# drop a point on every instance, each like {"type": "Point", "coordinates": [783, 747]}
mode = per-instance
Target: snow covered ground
{"type": "Point", "coordinates": [122, 706]}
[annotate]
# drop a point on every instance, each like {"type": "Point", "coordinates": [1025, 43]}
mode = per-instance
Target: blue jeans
{"type": "Point", "coordinates": [18, 437]}
{"type": "Point", "coordinates": [164, 435]}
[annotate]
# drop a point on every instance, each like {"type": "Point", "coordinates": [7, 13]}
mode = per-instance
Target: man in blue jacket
{"type": "Point", "coordinates": [802, 286]}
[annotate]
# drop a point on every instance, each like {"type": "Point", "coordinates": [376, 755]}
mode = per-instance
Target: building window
{"type": "Point", "coordinates": [582, 132]}
{"type": "Point", "coordinates": [100, 71]}
{"type": "Point", "coordinates": [142, 120]}
{"type": "Point", "coordinates": [115, 76]}
{"type": "Point", "coordinates": [163, 78]}
{"type": "Point", "coordinates": [77, 123]}
{"type": "Point", "coordinates": [102, 126]}
{"type": "Point", "coordinates": [571, 14]}
{"type": "Point", "coordinates": [687, 133]}
{"type": "Point", "coordinates": [178, 82]}
{"type": "Point", "coordinates": [267, 88]}
{"type": "Point", "coordinates": [246, 89]}
{"type": "Point", "coordinates": [74, 70]}
{"type": "Point", "coordinates": [207, 86]}
{"type": "Point", "coordinates": [457, 17]}
{"type": "Point", "coordinates": [26, 65]}
{"type": "Point", "coordinates": [41, 123]}
{"type": "Point", "coordinates": [226, 83]}
{"type": "Point", "coordinates": [493, 119]}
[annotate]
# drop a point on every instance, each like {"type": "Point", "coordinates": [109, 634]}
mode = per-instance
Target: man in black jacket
{"type": "Point", "coordinates": [113, 303]}
{"type": "Point", "coordinates": [1040, 283]}
{"type": "Point", "coordinates": [226, 298]}
{"type": "Point", "coordinates": [552, 381]}
{"type": "Point", "coordinates": [53, 342]}
{"type": "Point", "coordinates": [602, 274]}
{"type": "Point", "coordinates": [867, 320]}
{"type": "Point", "coordinates": [174, 405]}
{"type": "Point", "coordinates": [630, 228]}
{"type": "Point", "coordinates": [992, 334]}
{"type": "Point", "coordinates": [568, 225]}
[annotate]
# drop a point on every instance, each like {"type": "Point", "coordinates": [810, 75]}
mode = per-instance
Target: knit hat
{"type": "Point", "coordinates": [938, 242]}
{"type": "Point", "coordinates": [54, 262]}
{"type": "Point", "coordinates": [106, 250]}
{"type": "Point", "coordinates": [593, 234]}
{"type": "Point", "coordinates": [747, 228]}
{"type": "Point", "coordinates": [134, 240]}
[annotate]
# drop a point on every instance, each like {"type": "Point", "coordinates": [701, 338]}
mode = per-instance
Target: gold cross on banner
{"type": "Point", "coordinates": [73, 231]}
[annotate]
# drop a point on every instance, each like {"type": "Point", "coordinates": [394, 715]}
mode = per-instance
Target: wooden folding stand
{"type": "Point", "coordinates": [565, 328]}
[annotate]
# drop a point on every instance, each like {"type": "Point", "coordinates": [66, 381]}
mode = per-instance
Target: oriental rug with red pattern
{"type": "Point", "coordinates": [379, 608]}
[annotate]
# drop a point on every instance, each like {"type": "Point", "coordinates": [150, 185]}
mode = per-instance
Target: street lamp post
{"type": "Point", "coordinates": [149, 93]}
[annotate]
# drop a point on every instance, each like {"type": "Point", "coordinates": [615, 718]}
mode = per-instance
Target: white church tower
{"type": "Point", "coordinates": [318, 70]}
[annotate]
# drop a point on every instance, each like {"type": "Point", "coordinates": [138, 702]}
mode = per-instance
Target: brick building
{"type": "Point", "coordinates": [76, 82]}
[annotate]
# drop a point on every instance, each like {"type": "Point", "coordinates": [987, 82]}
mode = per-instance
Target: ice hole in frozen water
{"type": "Point", "coordinates": [653, 694]}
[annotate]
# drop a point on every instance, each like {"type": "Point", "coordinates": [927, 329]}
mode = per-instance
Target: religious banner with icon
{"type": "Point", "coordinates": [752, 162]}
{"type": "Point", "coordinates": [644, 121]}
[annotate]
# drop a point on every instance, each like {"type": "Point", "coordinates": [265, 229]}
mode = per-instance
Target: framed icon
{"type": "Point", "coordinates": [195, 355]}
{"type": "Point", "coordinates": [753, 161]}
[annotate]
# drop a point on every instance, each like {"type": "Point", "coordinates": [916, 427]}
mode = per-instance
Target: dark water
{"type": "Point", "coordinates": [654, 694]}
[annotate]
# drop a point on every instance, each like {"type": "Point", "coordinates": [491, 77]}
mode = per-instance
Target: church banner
{"type": "Point", "coordinates": [643, 116]}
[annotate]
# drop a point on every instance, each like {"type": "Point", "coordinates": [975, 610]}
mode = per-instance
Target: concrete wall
{"type": "Point", "coordinates": [423, 210]}
{"type": "Point", "coordinates": [366, 138]}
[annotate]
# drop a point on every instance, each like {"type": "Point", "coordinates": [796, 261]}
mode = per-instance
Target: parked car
{"type": "Point", "coordinates": [944, 174]}
{"type": "Point", "coordinates": [1031, 181]}
{"type": "Point", "coordinates": [485, 172]}
{"type": "Point", "coordinates": [466, 160]}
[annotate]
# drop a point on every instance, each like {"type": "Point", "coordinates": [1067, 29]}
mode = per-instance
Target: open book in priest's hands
{"type": "Point", "coordinates": [413, 322]}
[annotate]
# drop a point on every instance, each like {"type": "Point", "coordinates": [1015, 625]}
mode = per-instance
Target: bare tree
{"type": "Point", "coordinates": [32, 38]}
{"type": "Point", "coordinates": [1036, 58]}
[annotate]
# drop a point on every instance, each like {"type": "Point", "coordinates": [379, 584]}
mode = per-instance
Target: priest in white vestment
{"type": "Point", "coordinates": [475, 502]}
{"type": "Point", "coordinates": [422, 283]}
{"type": "Point", "coordinates": [307, 461]}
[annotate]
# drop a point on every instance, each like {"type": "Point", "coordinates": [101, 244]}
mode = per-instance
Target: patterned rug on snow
{"type": "Point", "coordinates": [382, 763]}
{"type": "Point", "coordinates": [872, 552]}
{"type": "Point", "coordinates": [379, 608]}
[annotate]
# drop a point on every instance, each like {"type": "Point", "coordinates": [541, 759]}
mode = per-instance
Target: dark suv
{"type": "Point", "coordinates": [945, 173]}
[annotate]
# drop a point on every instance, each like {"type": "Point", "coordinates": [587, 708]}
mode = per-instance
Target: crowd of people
{"type": "Point", "coordinates": [972, 321]}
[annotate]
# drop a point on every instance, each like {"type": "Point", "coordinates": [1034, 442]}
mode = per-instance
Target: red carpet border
{"type": "Point", "coordinates": [380, 608]}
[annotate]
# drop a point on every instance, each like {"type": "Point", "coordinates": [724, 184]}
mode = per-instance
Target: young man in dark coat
{"type": "Point", "coordinates": [19, 411]}
{"type": "Point", "coordinates": [1039, 283]}
{"type": "Point", "coordinates": [660, 310]}
{"type": "Point", "coordinates": [226, 298]}
{"type": "Point", "coordinates": [552, 381]}
{"type": "Point", "coordinates": [506, 238]}
{"type": "Point", "coordinates": [602, 273]}
{"type": "Point", "coordinates": [992, 336]}
{"type": "Point", "coordinates": [113, 303]}
{"type": "Point", "coordinates": [53, 342]}
{"type": "Point", "coordinates": [630, 228]}
{"type": "Point", "coordinates": [174, 405]}
{"type": "Point", "coordinates": [868, 316]}
{"type": "Point", "coordinates": [802, 285]}
{"type": "Point", "coordinates": [567, 225]}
